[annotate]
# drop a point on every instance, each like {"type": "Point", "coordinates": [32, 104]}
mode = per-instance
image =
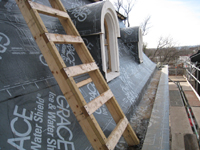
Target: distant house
{"type": "Point", "coordinates": [34, 112]}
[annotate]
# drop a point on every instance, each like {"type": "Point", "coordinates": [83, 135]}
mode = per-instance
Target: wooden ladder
{"type": "Point", "coordinates": [64, 75]}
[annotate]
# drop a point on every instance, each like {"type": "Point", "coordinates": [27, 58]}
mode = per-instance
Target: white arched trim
{"type": "Point", "coordinates": [140, 46]}
{"type": "Point", "coordinates": [109, 15]}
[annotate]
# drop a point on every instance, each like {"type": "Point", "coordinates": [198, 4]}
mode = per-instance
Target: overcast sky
{"type": "Point", "coordinates": [179, 19]}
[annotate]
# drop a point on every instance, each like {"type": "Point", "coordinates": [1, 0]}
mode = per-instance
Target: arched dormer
{"type": "Point", "coordinates": [109, 44]}
{"type": "Point", "coordinates": [132, 37]}
{"type": "Point", "coordinates": [100, 19]}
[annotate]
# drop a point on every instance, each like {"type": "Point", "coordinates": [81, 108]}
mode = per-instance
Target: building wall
{"type": "Point", "coordinates": [33, 110]}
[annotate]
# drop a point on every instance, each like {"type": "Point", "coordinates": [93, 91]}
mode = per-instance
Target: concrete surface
{"type": "Point", "coordinates": [157, 136]}
{"type": "Point", "coordinates": [177, 78]}
{"type": "Point", "coordinates": [179, 120]}
{"type": "Point", "coordinates": [182, 136]}
{"type": "Point", "coordinates": [175, 98]}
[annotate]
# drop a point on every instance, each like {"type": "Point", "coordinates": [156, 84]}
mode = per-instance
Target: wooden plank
{"type": "Point", "coordinates": [84, 82]}
{"type": "Point", "coordinates": [177, 141]}
{"type": "Point", "coordinates": [172, 86]}
{"type": "Point", "coordinates": [185, 86]}
{"type": "Point", "coordinates": [179, 120]}
{"type": "Point", "coordinates": [116, 134]}
{"type": "Point", "coordinates": [177, 78]}
{"type": "Point", "coordinates": [175, 98]}
{"type": "Point", "coordinates": [80, 69]}
{"type": "Point", "coordinates": [48, 10]}
{"type": "Point", "coordinates": [95, 138]}
{"type": "Point", "coordinates": [183, 141]}
{"type": "Point", "coordinates": [114, 107]}
{"type": "Point", "coordinates": [196, 111]}
{"type": "Point", "coordinates": [93, 105]}
{"type": "Point", "coordinates": [64, 39]}
{"type": "Point", "coordinates": [88, 123]}
{"type": "Point", "coordinates": [36, 17]}
{"type": "Point", "coordinates": [130, 136]}
{"type": "Point", "coordinates": [192, 99]}
{"type": "Point", "coordinates": [191, 142]}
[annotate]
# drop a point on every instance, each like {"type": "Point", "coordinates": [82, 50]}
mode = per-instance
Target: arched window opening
{"type": "Point", "coordinates": [109, 43]}
{"type": "Point", "coordinates": [107, 47]}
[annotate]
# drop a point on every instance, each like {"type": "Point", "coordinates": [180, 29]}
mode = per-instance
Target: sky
{"type": "Point", "coordinates": [177, 19]}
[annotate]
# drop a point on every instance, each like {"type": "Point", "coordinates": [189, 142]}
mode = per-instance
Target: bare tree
{"type": "Point", "coordinates": [127, 9]}
{"type": "Point", "coordinates": [118, 4]}
{"type": "Point", "coordinates": [163, 42]}
{"type": "Point", "coordinates": [145, 26]}
{"type": "Point", "coordinates": [127, 6]}
{"type": "Point", "coordinates": [165, 51]}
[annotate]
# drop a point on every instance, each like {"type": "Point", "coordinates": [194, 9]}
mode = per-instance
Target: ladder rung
{"type": "Point", "coordinates": [92, 106]}
{"type": "Point", "coordinates": [48, 10]}
{"type": "Point", "coordinates": [80, 69]}
{"type": "Point", "coordinates": [116, 133]}
{"type": "Point", "coordinates": [84, 82]}
{"type": "Point", "coordinates": [63, 39]}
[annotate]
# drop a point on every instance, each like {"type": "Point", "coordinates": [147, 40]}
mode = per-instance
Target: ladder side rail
{"type": "Point", "coordinates": [67, 85]}
{"type": "Point", "coordinates": [100, 82]}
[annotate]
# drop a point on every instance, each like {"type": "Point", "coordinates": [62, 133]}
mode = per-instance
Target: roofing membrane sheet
{"type": "Point", "coordinates": [34, 113]}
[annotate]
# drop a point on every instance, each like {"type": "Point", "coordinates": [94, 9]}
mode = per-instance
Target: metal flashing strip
{"type": "Point", "coordinates": [157, 136]}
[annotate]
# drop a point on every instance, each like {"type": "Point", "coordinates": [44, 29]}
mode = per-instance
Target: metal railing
{"type": "Point", "coordinates": [190, 71]}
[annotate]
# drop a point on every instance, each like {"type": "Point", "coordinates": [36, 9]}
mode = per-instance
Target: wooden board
{"type": "Point", "coordinates": [80, 69]}
{"type": "Point", "coordinates": [84, 82]}
{"type": "Point", "coordinates": [196, 111]}
{"type": "Point", "coordinates": [192, 99]}
{"type": "Point", "coordinates": [177, 141]}
{"type": "Point", "coordinates": [116, 133]}
{"type": "Point", "coordinates": [177, 78]}
{"type": "Point", "coordinates": [190, 142]}
{"type": "Point", "coordinates": [179, 120]}
{"type": "Point", "coordinates": [63, 39]}
{"type": "Point", "coordinates": [182, 141]}
{"type": "Point", "coordinates": [186, 86]}
{"type": "Point", "coordinates": [48, 10]}
{"type": "Point", "coordinates": [172, 86]}
{"type": "Point", "coordinates": [95, 104]}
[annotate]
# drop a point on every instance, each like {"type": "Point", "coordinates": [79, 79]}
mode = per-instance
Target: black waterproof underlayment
{"type": "Point", "coordinates": [33, 112]}
{"type": "Point", "coordinates": [130, 37]}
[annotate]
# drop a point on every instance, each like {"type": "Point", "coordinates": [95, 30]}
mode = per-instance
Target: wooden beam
{"type": "Point", "coordinates": [108, 46]}
{"type": "Point", "coordinates": [116, 134]}
{"type": "Point", "coordinates": [64, 39]}
{"type": "Point", "coordinates": [93, 105]}
{"type": "Point", "coordinates": [80, 69]}
{"type": "Point", "coordinates": [48, 10]}
{"type": "Point", "coordinates": [84, 82]}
